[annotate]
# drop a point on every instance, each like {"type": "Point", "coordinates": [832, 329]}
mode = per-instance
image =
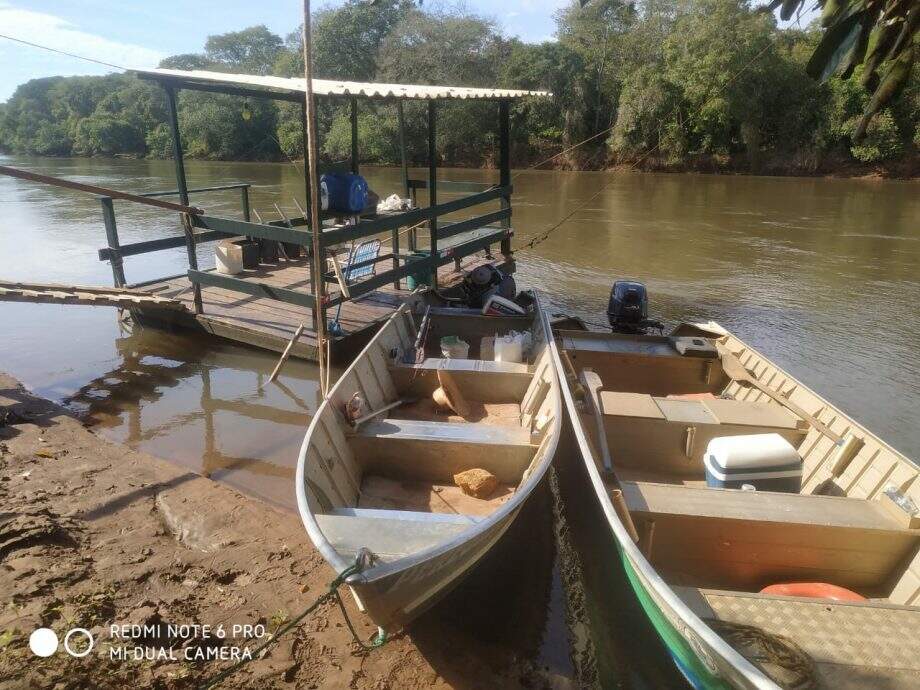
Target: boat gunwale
{"type": "Point", "coordinates": [521, 493]}
{"type": "Point", "coordinates": [720, 331]}
{"type": "Point", "coordinates": [662, 589]}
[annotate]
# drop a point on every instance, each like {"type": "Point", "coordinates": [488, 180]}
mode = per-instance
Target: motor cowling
{"type": "Point", "coordinates": [627, 309]}
{"type": "Point", "coordinates": [484, 281]}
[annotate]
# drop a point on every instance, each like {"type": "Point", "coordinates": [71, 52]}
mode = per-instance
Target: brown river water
{"type": "Point", "coordinates": [822, 275]}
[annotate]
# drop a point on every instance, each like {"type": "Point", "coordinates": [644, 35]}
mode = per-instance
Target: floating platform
{"type": "Point", "coordinates": [269, 324]}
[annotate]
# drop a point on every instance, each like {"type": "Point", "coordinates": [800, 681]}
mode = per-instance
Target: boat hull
{"type": "Point", "coordinates": [700, 656]}
{"type": "Point", "coordinates": [399, 597]}
{"type": "Point", "coordinates": [398, 587]}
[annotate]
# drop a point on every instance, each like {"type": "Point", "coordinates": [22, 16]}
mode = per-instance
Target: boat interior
{"type": "Point", "coordinates": [386, 481]}
{"type": "Point", "coordinates": [661, 400]}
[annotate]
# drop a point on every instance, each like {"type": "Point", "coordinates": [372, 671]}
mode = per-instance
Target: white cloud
{"type": "Point", "coordinates": [21, 62]}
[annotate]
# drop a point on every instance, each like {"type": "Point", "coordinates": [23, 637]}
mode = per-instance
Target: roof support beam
{"type": "Point", "coordinates": [354, 135]}
{"type": "Point", "coordinates": [182, 186]}
{"type": "Point", "coordinates": [504, 156]}
{"type": "Point", "coordinates": [433, 183]}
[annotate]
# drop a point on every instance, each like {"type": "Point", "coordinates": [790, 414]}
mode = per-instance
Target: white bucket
{"type": "Point", "coordinates": [228, 258]}
{"type": "Point", "coordinates": [509, 348]}
{"type": "Point", "coordinates": [454, 348]}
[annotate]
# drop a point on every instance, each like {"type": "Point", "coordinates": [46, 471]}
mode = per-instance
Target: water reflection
{"type": "Point", "coordinates": [179, 397]}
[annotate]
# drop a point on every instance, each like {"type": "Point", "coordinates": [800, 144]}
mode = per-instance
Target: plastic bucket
{"type": "Point", "coordinates": [421, 277]}
{"type": "Point", "coordinates": [509, 348]}
{"type": "Point", "coordinates": [454, 348]}
{"type": "Point", "coordinates": [228, 258]}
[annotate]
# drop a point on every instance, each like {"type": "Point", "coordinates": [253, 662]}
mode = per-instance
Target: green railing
{"type": "Point", "coordinates": [115, 251]}
{"type": "Point", "coordinates": [402, 267]}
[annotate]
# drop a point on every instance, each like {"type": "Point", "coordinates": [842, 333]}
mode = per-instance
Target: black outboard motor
{"type": "Point", "coordinates": [627, 310]}
{"type": "Point", "coordinates": [484, 281]}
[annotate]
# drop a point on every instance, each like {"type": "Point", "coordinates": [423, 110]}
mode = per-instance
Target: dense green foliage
{"type": "Point", "coordinates": [880, 36]}
{"type": "Point", "coordinates": [665, 82]}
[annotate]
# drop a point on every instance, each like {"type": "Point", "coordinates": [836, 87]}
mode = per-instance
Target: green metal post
{"type": "Point", "coordinates": [244, 200]}
{"type": "Point", "coordinates": [182, 186]}
{"type": "Point", "coordinates": [354, 135]}
{"type": "Point", "coordinates": [433, 185]}
{"type": "Point", "coordinates": [111, 233]}
{"type": "Point", "coordinates": [404, 160]}
{"type": "Point", "coordinates": [504, 155]}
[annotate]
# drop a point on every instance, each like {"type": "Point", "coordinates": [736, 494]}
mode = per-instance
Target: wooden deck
{"type": "Point", "coordinates": [270, 324]}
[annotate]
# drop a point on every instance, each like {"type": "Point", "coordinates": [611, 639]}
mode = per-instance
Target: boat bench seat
{"type": "Point", "coordinates": [438, 450]}
{"type": "Point", "coordinates": [745, 540]}
{"type": "Point", "coordinates": [853, 644]}
{"type": "Point", "coordinates": [664, 434]}
{"type": "Point", "coordinates": [482, 380]}
{"type": "Point", "coordinates": [643, 363]}
{"type": "Point", "coordinates": [389, 534]}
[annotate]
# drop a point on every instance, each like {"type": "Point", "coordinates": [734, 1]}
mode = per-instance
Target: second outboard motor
{"type": "Point", "coordinates": [627, 310]}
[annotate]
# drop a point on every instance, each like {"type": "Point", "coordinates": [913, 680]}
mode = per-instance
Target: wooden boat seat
{"type": "Point", "coordinates": [482, 380]}
{"type": "Point", "coordinates": [504, 414]}
{"type": "Point", "coordinates": [670, 435]}
{"type": "Point", "coordinates": [643, 363]}
{"type": "Point", "coordinates": [478, 365]}
{"type": "Point", "coordinates": [397, 534]}
{"type": "Point", "coordinates": [853, 644]}
{"type": "Point", "coordinates": [746, 540]}
{"type": "Point", "coordinates": [635, 474]}
{"type": "Point", "coordinates": [427, 497]}
{"type": "Point", "coordinates": [438, 450]}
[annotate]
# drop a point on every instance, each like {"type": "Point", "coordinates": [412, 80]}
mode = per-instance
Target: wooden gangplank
{"type": "Point", "coordinates": [91, 295]}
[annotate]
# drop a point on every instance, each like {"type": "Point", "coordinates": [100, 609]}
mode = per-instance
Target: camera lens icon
{"type": "Point", "coordinates": [78, 642]}
{"type": "Point", "coordinates": [43, 642]}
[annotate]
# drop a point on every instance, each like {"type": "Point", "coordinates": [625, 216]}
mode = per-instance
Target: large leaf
{"type": "Point", "coordinates": [837, 44]}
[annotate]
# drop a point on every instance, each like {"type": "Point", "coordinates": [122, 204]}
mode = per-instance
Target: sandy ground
{"type": "Point", "coordinates": [93, 534]}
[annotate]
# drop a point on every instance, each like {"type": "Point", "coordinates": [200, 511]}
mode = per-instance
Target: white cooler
{"type": "Point", "coordinates": [768, 462]}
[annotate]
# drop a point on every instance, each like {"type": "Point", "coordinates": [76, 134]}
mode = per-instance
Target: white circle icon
{"type": "Point", "coordinates": [89, 646]}
{"type": "Point", "coordinates": [43, 642]}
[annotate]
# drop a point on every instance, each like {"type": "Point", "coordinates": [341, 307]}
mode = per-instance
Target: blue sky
{"type": "Point", "coordinates": [133, 33]}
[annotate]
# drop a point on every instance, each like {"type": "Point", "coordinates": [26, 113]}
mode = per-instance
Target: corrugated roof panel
{"type": "Point", "coordinates": [329, 87]}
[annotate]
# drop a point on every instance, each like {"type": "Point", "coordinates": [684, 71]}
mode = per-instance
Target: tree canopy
{"type": "Point", "coordinates": [663, 82]}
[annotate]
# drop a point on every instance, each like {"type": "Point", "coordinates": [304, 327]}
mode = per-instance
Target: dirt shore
{"type": "Point", "coordinates": [93, 535]}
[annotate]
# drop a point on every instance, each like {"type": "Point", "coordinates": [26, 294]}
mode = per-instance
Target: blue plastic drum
{"type": "Point", "coordinates": [346, 192]}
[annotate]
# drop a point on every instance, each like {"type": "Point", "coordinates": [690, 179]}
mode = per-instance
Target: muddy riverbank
{"type": "Point", "coordinates": [93, 534]}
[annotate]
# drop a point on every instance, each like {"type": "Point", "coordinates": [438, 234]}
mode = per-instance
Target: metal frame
{"type": "Point", "coordinates": [289, 231]}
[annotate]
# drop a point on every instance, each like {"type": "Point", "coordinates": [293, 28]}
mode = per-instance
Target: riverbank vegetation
{"type": "Point", "coordinates": [672, 84]}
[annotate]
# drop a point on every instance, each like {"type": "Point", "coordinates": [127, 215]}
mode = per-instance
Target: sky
{"type": "Point", "coordinates": [135, 33]}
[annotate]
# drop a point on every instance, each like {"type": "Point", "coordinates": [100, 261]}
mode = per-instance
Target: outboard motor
{"type": "Point", "coordinates": [484, 281]}
{"type": "Point", "coordinates": [627, 310]}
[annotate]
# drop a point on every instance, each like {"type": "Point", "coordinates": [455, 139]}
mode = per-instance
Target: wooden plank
{"type": "Point", "coordinates": [418, 215]}
{"type": "Point", "coordinates": [160, 244]}
{"type": "Point", "coordinates": [455, 185]}
{"type": "Point", "coordinates": [94, 189]}
{"type": "Point", "coordinates": [254, 288]}
{"type": "Point", "coordinates": [280, 233]}
{"type": "Point", "coordinates": [451, 229]}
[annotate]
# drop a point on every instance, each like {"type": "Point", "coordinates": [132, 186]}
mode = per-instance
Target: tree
{"type": "Point", "coordinates": [106, 134]}
{"type": "Point", "coordinates": [597, 33]}
{"type": "Point", "coordinates": [346, 39]}
{"type": "Point", "coordinates": [253, 50]}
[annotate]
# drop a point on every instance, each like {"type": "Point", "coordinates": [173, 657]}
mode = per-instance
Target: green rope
{"type": "Point", "coordinates": [380, 638]}
{"type": "Point", "coordinates": [331, 593]}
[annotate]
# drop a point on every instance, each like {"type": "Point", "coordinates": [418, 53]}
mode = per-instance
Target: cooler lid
{"type": "Point", "coordinates": [753, 451]}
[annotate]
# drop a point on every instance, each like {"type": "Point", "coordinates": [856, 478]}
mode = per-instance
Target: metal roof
{"type": "Point", "coordinates": [330, 87]}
